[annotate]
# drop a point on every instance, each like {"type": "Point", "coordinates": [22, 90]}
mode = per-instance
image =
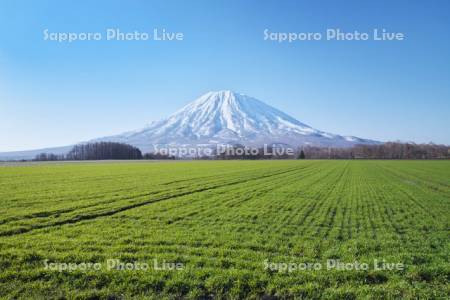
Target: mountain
{"type": "Point", "coordinates": [30, 154]}
{"type": "Point", "coordinates": [222, 117]}
{"type": "Point", "coordinates": [227, 117]}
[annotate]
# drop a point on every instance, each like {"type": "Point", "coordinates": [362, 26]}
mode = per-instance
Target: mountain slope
{"type": "Point", "coordinates": [222, 117]}
{"type": "Point", "coordinates": [226, 117]}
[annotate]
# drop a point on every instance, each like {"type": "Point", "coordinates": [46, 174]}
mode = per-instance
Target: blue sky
{"type": "Point", "coordinates": [54, 94]}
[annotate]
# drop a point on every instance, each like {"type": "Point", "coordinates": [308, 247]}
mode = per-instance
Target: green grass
{"type": "Point", "coordinates": [223, 220]}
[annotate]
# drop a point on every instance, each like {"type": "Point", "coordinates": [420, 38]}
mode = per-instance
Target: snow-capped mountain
{"type": "Point", "coordinates": [227, 117]}
{"type": "Point", "coordinates": [219, 118]}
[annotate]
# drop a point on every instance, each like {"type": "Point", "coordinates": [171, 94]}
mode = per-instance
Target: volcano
{"type": "Point", "coordinates": [220, 118]}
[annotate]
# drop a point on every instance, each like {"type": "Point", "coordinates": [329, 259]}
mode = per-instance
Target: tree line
{"type": "Point", "coordinates": [390, 150]}
{"type": "Point", "coordinates": [103, 150]}
{"type": "Point", "coordinates": [100, 151]}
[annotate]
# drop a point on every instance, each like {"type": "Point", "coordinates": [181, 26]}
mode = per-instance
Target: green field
{"type": "Point", "coordinates": [231, 226]}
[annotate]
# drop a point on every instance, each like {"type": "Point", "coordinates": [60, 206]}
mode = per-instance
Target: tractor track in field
{"type": "Point", "coordinates": [260, 188]}
{"type": "Point", "coordinates": [161, 190]}
{"type": "Point", "coordinates": [93, 216]}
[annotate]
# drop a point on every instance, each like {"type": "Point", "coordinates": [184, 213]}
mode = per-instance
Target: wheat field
{"type": "Point", "coordinates": [293, 229]}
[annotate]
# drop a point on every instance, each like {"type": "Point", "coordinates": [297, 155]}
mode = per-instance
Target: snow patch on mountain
{"type": "Point", "coordinates": [227, 117]}
{"type": "Point", "coordinates": [219, 118]}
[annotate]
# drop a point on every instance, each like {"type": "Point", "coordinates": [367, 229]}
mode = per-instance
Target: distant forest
{"type": "Point", "coordinates": [100, 151]}
{"type": "Point", "coordinates": [391, 150]}
{"type": "Point", "coordinates": [103, 150]}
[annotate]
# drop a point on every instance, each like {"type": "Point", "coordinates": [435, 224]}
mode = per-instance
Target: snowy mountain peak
{"type": "Point", "coordinates": [233, 113]}
{"type": "Point", "coordinates": [227, 117]}
{"type": "Point", "coordinates": [220, 117]}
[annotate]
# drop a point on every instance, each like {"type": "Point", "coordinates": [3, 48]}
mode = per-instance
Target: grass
{"type": "Point", "coordinates": [224, 222]}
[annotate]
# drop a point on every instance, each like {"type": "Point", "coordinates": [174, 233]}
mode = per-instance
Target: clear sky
{"type": "Point", "coordinates": [54, 94]}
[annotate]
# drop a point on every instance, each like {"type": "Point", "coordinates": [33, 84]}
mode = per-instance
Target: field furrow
{"type": "Point", "coordinates": [225, 222]}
